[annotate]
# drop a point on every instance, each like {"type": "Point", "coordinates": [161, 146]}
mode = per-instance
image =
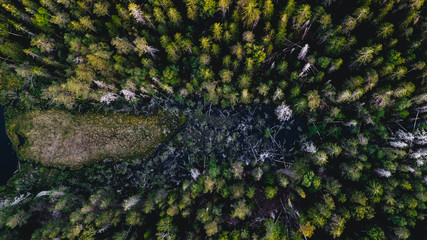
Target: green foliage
{"type": "Point", "coordinates": [324, 62]}
{"type": "Point", "coordinates": [12, 50]}
{"type": "Point", "coordinates": [241, 210]}
{"type": "Point", "coordinates": [170, 76]}
{"type": "Point", "coordinates": [308, 178]}
{"type": "Point", "coordinates": [270, 192]}
{"type": "Point", "coordinates": [353, 71]}
{"type": "Point", "coordinates": [16, 220]}
{"type": "Point", "coordinates": [41, 19]}
{"type": "Point", "coordinates": [274, 230]}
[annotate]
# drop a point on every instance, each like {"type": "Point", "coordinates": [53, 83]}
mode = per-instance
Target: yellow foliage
{"type": "Point", "coordinates": [307, 229]}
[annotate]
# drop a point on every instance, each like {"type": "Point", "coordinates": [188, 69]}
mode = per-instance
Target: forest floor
{"type": "Point", "coordinates": [61, 139]}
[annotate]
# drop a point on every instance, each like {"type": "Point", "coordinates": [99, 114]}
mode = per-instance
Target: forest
{"type": "Point", "coordinates": [215, 119]}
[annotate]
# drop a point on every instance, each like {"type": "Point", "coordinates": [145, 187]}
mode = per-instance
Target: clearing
{"type": "Point", "coordinates": [61, 139]}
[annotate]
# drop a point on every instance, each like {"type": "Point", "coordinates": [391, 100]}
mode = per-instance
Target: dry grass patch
{"type": "Point", "coordinates": [58, 138]}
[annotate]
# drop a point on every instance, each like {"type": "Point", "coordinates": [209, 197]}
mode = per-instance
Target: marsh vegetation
{"type": "Point", "coordinates": [61, 139]}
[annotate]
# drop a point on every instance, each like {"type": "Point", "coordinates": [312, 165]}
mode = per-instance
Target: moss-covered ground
{"type": "Point", "coordinates": [61, 139]}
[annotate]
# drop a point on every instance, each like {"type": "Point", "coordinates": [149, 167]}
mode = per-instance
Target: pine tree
{"type": "Point", "coordinates": [101, 8]}
{"type": "Point", "coordinates": [86, 23]}
{"type": "Point", "coordinates": [136, 12]}
{"type": "Point", "coordinates": [313, 99]}
{"type": "Point", "coordinates": [192, 9]}
{"type": "Point", "coordinates": [142, 47]}
{"type": "Point", "coordinates": [385, 30]}
{"type": "Point", "coordinates": [60, 19]}
{"type": "Point", "coordinates": [209, 8]}
{"type": "Point", "coordinates": [268, 9]}
{"type": "Point", "coordinates": [302, 15]}
{"type": "Point", "coordinates": [122, 45]}
{"type": "Point", "coordinates": [249, 11]}
{"type": "Point", "coordinates": [223, 6]}
{"type": "Point", "coordinates": [159, 16]}
{"type": "Point", "coordinates": [217, 31]}
{"type": "Point", "coordinates": [238, 51]}
{"type": "Point", "coordinates": [174, 16]}
{"type": "Point", "coordinates": [226, 75]}
{"type": "Point", "coordinates": [364, 56]}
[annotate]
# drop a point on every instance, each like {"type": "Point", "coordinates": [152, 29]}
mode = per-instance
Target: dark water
{"type": "Point", "coordinates": [8, 158]}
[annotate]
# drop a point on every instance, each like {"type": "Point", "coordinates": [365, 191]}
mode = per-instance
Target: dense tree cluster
{"type": "Point", "coordinates": [313, 55]}
{"type": "Point", "coordinates": [355, 72]}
